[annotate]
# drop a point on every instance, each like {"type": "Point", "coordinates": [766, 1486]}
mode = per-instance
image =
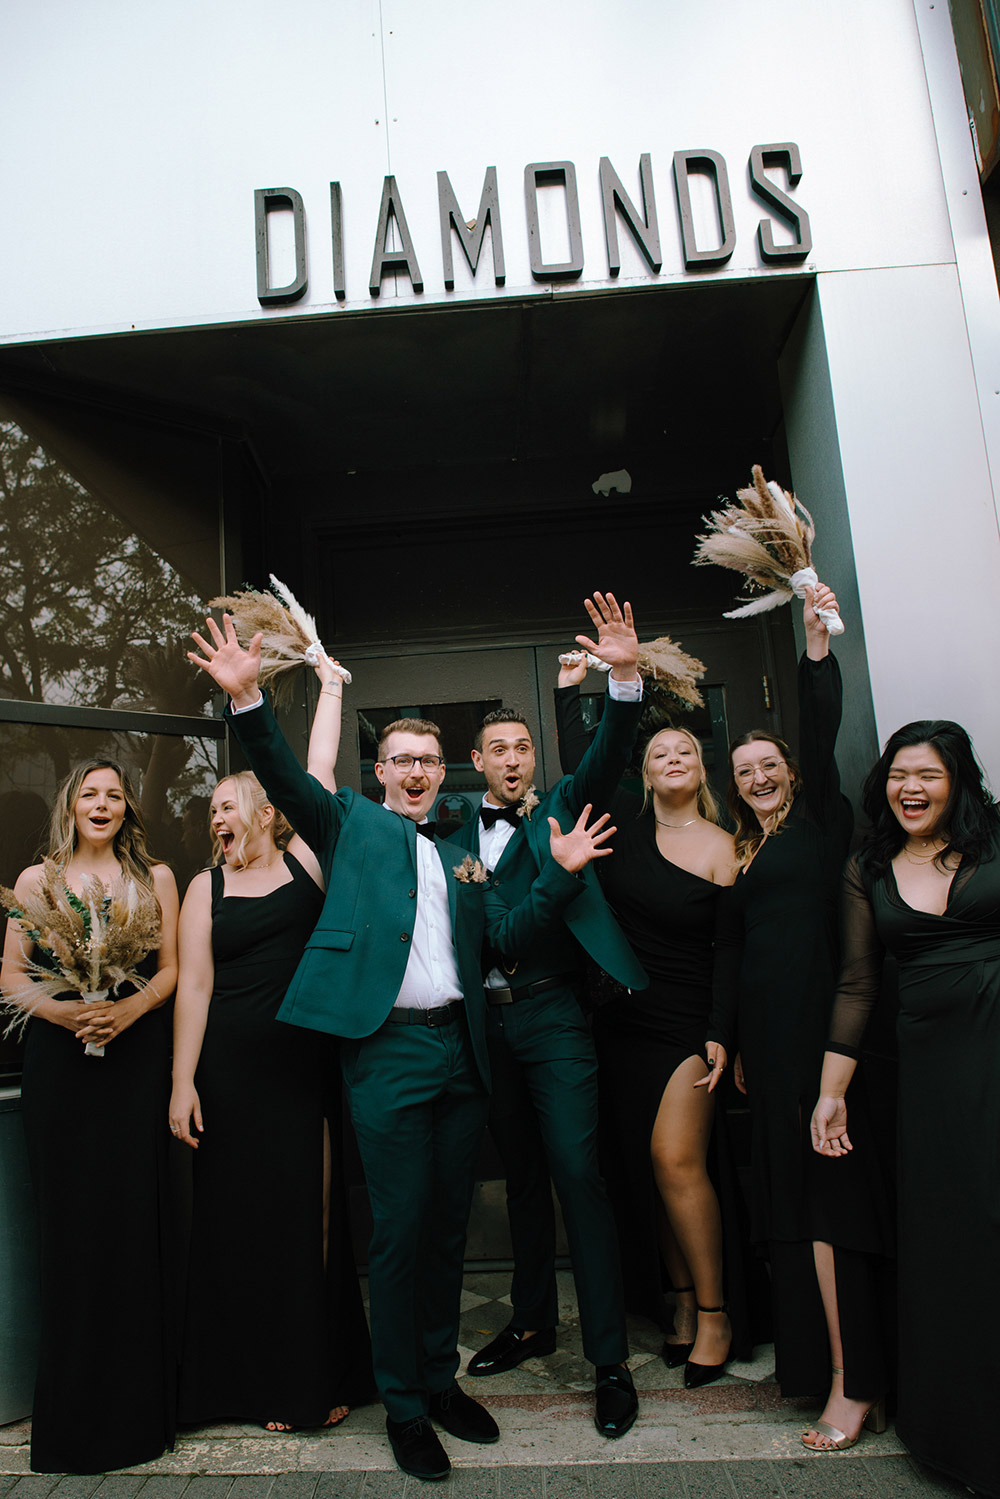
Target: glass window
{"type": "Point", "coordinates": [103, 579]}
{"type": "Point", "coordinates": [463, 786]}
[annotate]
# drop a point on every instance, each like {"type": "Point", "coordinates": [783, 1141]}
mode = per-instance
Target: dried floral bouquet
{"type": "Point", "coordinates": [768, 538]}
{"type": "Point", "coordinates": [94, 941]}
{"type": "Point", "coordinates": [290, 637]}
{"type": "Point", "coordinates": [663, 666]}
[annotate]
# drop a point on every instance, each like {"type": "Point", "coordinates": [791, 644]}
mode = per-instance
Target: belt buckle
{"type": "Point", "coordinates": [502, 996]}
{"type": "Point", "coordinates": [438, 1016]}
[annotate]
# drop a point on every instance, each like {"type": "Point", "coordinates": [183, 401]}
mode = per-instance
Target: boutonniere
{"type": "Point", "coordinates": [527, 804]}
{"type": "Point", "coordinates": [471, 872]}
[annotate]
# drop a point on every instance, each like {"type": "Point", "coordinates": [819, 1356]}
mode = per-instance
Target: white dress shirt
{"type": "Point", "coordinates": [431, 978]}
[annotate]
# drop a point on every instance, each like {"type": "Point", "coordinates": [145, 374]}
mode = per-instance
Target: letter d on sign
{"type": "Point", "coordinates": [264, 200]}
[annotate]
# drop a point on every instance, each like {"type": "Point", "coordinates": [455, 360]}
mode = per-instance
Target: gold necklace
{"type": "Point", "coordinates": [660, 824]}
{"type": "Point", "coordinates": [253, 866]}
{"type": "Point", "coordinates": [926, 858]}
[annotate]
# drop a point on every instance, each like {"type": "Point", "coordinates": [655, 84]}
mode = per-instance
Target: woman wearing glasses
{"type": "Point", "coordinates": [274, 1329]}
{"type": "Point", "coordinates": [827, 1240]}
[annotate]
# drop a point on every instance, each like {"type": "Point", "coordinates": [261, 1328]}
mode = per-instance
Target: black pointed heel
{"type": "Point", "coordinates": [675, 1354]}
{"type": "Point", "coordinates": [696, 1375]}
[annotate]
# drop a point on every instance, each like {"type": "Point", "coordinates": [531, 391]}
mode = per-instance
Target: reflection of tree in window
{"type": "Point", "coordinates": [90, 614]}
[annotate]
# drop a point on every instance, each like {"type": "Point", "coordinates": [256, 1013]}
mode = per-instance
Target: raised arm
{"type": "Point", "coordinates": [324, 736]}
{"type": "Point", "coordinates": [194, 991]}
{"type": "Point", "coordinates": [596, 779]}
{"type": "Point", "coordinates": [312, 811]}
{"type": "Point", "coordinates": [571, 735]}
{"type": "Point", "coordinates": [821, 703]}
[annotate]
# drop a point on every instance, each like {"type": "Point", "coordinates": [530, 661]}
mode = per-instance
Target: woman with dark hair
{"type": "Point", "coordinates": [827, 1240]}
{"type": "Point", "coordinates": [274, 1331]}
{"type": "Point", "coordinates": [925, 888]}
{"type": "Point", "coordinates": [662, 1051]}
{"type": "Point", "coordinates": [97, 1151]}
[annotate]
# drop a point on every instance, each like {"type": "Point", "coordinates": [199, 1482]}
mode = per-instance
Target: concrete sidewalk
{"type": "Point", "coordinates": [734, 1437]}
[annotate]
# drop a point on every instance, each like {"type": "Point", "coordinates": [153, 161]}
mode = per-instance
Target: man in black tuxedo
{"type": "Point", "coordinates": [544, 1103]}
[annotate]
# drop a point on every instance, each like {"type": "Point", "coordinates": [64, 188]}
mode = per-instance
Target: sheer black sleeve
{"type": "Point", "coordinates": [821, 704]}
{"type": "Point", "coordinates": [861, 966]}
{"type": "Point", "coordinates": [571, 731]}
{"type": "Point", "coordinates": [727, 960]}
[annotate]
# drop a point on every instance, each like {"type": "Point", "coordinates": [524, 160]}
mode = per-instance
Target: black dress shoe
{"type": "Point", "coordinates": [617, 1403]}
{"type": "Point", "coordinates": [510, 1348]}
{"type": "Point", "coordinates": [463, 1417]}
{"type": "Point", "coordinates": [416, 1448]}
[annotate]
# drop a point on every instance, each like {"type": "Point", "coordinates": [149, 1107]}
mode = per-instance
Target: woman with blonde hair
{"type": "Point", "coordinates": [97, 1147]}
{"type": "Point", "coordinates": [662, 1051]}
{"type": "Point", "coordinates": [274, 1329]}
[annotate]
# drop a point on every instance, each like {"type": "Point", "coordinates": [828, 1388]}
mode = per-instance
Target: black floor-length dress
{"type": "Point", "coordinates": [778, 958]}
{"type": "Point", "coordinates": [668, 916]}
{"type": "Point", "coordinates": [97, 1139]}
{"type": "Point", "coordinates": [270, 1333]}
{"type": "Point", "coordinates": [949, 1151]}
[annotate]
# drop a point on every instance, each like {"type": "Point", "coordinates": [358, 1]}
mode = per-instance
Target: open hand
{"type": "Point", "coordinates": [617, 642]}
{"type": "Point", "coordinates": [575, 849]}
{"type": "Point", "coordinates": [234, 668]}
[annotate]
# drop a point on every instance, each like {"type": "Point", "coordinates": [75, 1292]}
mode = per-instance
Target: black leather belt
{"type": "Point", "coordinates": [440, 1015]}
{"type": "Point", "coordinates": [527, 991]}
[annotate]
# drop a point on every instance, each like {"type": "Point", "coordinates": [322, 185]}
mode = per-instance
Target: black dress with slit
{"type": "Point", "coordinates": [271, 1334]}
{"type": "Point", "coordinates": [778, 960]}
{"type": "Point", "coordinates": [669, 918]}
{"type": "Point", "coordinates": [97, 1142]}
{"type": "Point", "coordinates": [949, 1149]}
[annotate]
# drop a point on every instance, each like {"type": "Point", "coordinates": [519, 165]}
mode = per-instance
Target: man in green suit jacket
{"type": "Point", "coordinates": [543, 1112]}
{"type": "Point", "coordinates": [393, 967]}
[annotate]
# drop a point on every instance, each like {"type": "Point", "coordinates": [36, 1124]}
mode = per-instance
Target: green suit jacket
{"type": "Point", "coordinates": [587, 922]}
{"type": "Point", "coordinates": [353, 964]}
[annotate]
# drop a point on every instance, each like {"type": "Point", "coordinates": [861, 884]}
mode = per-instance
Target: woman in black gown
{"type": "Point", "coordinates": [657, 1048]}
{"type": "Point", "coordinates": [778, 959]}
{"type": "Point", "coordinates": [104, 1396]}
{"type": "Point", "coordinates": [926, 888]}
{"type": "Point", "coordinates": [275, 1331]}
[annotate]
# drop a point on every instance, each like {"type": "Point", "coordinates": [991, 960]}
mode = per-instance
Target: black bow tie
{"type": "Point", "coordinates": [427, 828]}
{"type": "Point", "coordinates": [490, 815]}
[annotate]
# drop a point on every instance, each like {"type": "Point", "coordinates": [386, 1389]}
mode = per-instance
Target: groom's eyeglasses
{"type": "Point", "coordinates": [407, 762]}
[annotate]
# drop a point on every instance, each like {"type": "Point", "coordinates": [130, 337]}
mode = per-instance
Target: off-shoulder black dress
{"type": "Point", "coordinates": [669, 918]}
{"type": "Point", "coordinates": [949, 1149]}
{"type": "Point", "coordinates": [778, 961]}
